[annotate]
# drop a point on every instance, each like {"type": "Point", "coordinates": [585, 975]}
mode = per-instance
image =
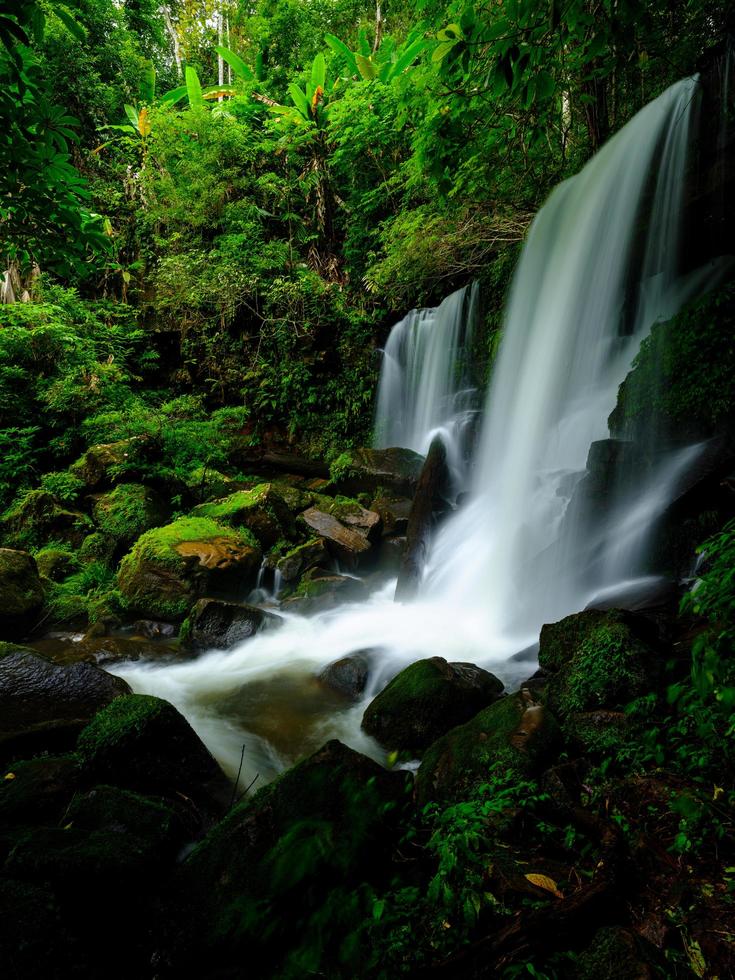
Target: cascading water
{"type": "Point", "coordinates": [424, 388]}
{"type": "Point", "coordinates": [586, 291]}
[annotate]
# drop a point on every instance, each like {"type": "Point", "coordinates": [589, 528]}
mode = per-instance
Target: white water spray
{"type": "Point", "coordinates": [584, 294]}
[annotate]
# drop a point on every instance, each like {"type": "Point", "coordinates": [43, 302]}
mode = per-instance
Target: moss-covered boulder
{"type": "Point", "coordinates": [596, 660]}
{"type": "Point", "coordinates": [38, 790]}
{"type": "Point", "coordinates": [373, 470]}
{"type": "Point", "coordinates": [300, 559]}
{"type": "Point", "coordinates": [98, 546]}
{"type": "Point", "coordinates": [262, 510]}
{"type": "Point", "coordinates": [309, 837]}
{"type": "Point", "coordinates": [56, 564]}
{"type": "Point", "coordinates": [109, 808]}
{"type": "Point", "coordinates": [21, 592]}
{"type": "Point", "coordinates": [143, 743]}
{"type": "Point", "coordinates": [103, 464]}
{"type": "Point", "coordinates": [204, 484]}
{"type": "Point", "coordinates": [515, 736]}
{"type": "Point", "coordinates": [38, 517]}
{"type": "Point", "coordinates": [44, 705]}
{"type": "Point", "coordinates": [170, 567]}
{"type": "Point", "coordinates": [216, 623]}
{"type": "Point", "coordinates": [319, 590]}
{"type": "Point", "coordinates": [128, 511]}
{"type": "Point", "coordinates": [619, 954]}
{"type": "Point", "coordinates": [427, 699]}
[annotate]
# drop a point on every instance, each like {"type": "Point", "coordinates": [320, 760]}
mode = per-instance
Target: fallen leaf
{"type": "Point", "coordinates": [543, 881]}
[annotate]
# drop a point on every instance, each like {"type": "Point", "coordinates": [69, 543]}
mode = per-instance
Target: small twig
{"type": "Point", "coordinates": [249, 787]}
{"type": "Point", "coordinates": [237, 781]}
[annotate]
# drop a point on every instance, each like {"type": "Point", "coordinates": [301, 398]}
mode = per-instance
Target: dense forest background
{"type": "Point", "coordinates": [238, 229]}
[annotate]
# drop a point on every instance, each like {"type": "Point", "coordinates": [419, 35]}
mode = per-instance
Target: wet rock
{"type": "Point", "coordinates": [347, 676]}
{"type": "Point", "coordinates": [431, 490]}
{"type": "Point", "coordinates": [153, 629]}
{"type": "Point", "coordinates": [372, 470]}
{"type": "Point", "coordinates": [343, 543]}
{"type": "Point", "coordinates": [301, 558]}
{"type": "Point", "coordinates": [597, 659]}
{"type": "Point", "coordinates": [44, 705]}
{"type": "Point", "coordinates": [262, 510]}
{"type": "Point", "coordinates": [393, 512]}
{"type": "Point", "coordinates": [170, 567]}
{"type": "Point", "coordinates": [143, 743]}
{"type": "Point", "coordinates": [119, 811]}
{"type": "Point", "coordinates": [220, 624]}
{"type": "Point", "coordinates": [516, 736]}
{"type": "Point", "coordinates": [354, 515]}
{"type": "Point", "coordinates": [96, 467]}
{"type": "Point", "coordinates": [427, 699]}
{"type": "Point", "coordinates": [128, 511]}
{"type": "Point", "coordinates": [21, 592]}
{"type": "Point", "coordinates": [319, 590]}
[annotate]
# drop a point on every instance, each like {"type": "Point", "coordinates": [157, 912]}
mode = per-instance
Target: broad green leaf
{"type": "Point", "coordinates": [339, 47]}
{"type": "Point", "coordinates": [214, 91]}
{"type": "Point", "coordinates": [442, 50]}
{"type": "Point", "coordinates": [452, 32]}
{"type": "Point", "coordinates": [132, 115]}
{"type": "Point", "coordinates": [174, 95]}
{"type": "Point", "coordinates": [362, 42]}
{"type": "Point", "coordinates": [235, 62]}
{"type": "Point", "coordinates": [408, 56]}
{"type": "Point", "coordinates": [299, 99]}
{"type": "Point", "coordinates": [73, 26]}
{"type": "Point", "coordinates": [193, 88]}
{"type": "Point", "coordinates": [147, 84]}
{"type": "Point", "coordinates": [318, 72]}
{"type": "Point", "coordinates": [367, 68]}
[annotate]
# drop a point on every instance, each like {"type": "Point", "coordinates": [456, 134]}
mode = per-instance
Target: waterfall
{"type": "Point", "coordinates": [600, 265]}
{"type": "Point", "coordinates": [424, 388]}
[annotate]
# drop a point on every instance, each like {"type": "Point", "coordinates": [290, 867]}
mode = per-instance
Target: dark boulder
{"type": "Point", "coordinates": [44, 705]}
{"type": "Point", "coordinates": [427, 699]}
{"type": "Point", "coordinates": [348, 675]}
{"type": "Point", "coordinates": [216, 623]}
{"type": "Point", "coordinates": [38, 790]}
{"type": "Point", "coordinates": [301, 558]}
{"type": "Point", "coordinates": [516, 736]}
{"type": "Point", "coordinates": [21, 592]}
{"type": "Point", "coordinates": [373, 470]}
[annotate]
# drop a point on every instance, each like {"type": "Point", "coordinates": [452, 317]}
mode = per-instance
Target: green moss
{"type": "Point", "coordinates": [56, 563]}
{"type": "Point", "coordinates": [341, 467]}
{"type": "Point", "coordinates": [261, 510]}
{"type": "Point", "coordinates": [125, 718]}
{"type": "Point", "coordinates": [616, 954]}
{"type": "Point", "coordinates": [160, 543]}
{"type": "Point", "coordinates": [98, 547]}
{"type": "Point", "coordinates": [128, 511]}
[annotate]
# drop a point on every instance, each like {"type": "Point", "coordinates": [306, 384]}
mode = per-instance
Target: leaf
{"type": "Point", "coordinates": [543, 881]}
{"type": "Point", "coordinates": [147, 84]}
{"type": "Point", "coordinates": [367, 68]}
{"type": "Point", "coordinates": [10, 775]}
{"type": "Point", "coordinates": [299, 99]}
{"type": "Point", "coordinates": [442, 50]}
{"type": "Point", "coordinates": [318, 72]}
{"type": "Point", "coordinates": [73, 26]}
{"type": "Point", "coordinates": [214, 91]}
{"type": "Point", "coordinates": [235, 62]}
{"type": "Point", "coordinates": [132, 115]}
{"type": "Point", "coordinates": [408, 56]}
{"type": "Point", "coordinates": [193, 88]}
{"type": "Point", "coordinates": [174, 95]}
{"type": "Point", "coordinates": [144, 123]}
{"type": "Point", "coordinates": [452, 32]}
{"type": "Point", "coordinates": [339, 47]}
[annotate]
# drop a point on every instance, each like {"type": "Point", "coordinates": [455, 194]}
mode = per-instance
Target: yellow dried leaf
{"type": "Point", "coordinates": [543, 881]}
{"type": "Point", "coordinates": [10, 775]}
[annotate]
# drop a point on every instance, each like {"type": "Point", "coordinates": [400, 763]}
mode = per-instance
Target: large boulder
{"type": "Point", "coordinates": [128, 511]}
{"type": "Point", "coordinates": [216, 623]}
{"type": "Point", "coordinates": [170, 567]}
{"type": "Point", "coordinates": [21, 592]}
{"type": "Point", "coordinates": [38, 790]}
{"type": "Point", "coordinates": [300, 559]}
{"type": "Point", "coordinates": [373, 470]}
{"type": "Point", "coordinates": [44, 705]}
{"type": "Point", "coordinates": [262, 510]}
{"type": "Point", "coordinates": [102, 464]}
{"type": "Point", "coordinates": [347, 676]}
{"type": "Point", "coordinates": [143, 743]}
{"type": "Point", "coordinates": [259, 881]}
{"type": "Point", "coordinates": [344, 543]}
{"type": "Point", "coordinates": [515, 736]}
{"type": "Point", "coordinates": [427, 699]}
{"type": "Point", "coordinates": [596, 659]}
{"type": "Point", "coordinates": [38, 517]}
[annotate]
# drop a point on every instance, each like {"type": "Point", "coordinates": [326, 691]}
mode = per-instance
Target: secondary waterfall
{"type": "Point", "coordinates": [599, 267]}
{"type": "Point", "coordinates": [424, 387]}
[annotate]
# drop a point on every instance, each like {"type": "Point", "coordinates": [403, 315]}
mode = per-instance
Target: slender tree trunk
{"type": "Point", "coordinates": [172, 33]}
{"type": "Point", "coordinates": [220, 59]}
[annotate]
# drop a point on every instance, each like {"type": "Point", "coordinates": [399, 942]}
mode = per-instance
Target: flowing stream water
{"type": "Point", "coordinates": [599, 267]}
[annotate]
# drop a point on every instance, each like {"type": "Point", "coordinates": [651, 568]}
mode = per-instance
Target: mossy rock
{"type": "Point", "coordinates": [327, 823]}
{"type": "Point", "coordinates": [44, 705]}
{"type": "Point", "coordinates": [597, 660]}
{"type": "Point", "coordinates": [425, 700]}
{"type": "Point", "coordinates": [38, 517]}
{"type": "Point", "coordinates": [298, 560]}
{"type": "Point", "coordinates": [170, 567]}
{"type": "Point", "coordinates": [206, 484]}
{"type": "Point", "coordinates": [109, 808]}
{"type": "Point", "coordinates": [375, 470]}
{"type": "Point", "coordinates": [34, 942]}
{"type": "Point", "coordinates": [38, 790]}
{"type": "Point", "coordinates": [619, 954]}
{"type": "Point", "coordinates": [262, 510]}
{"type": "Point", "coordinates": [21, 592]}
{"type": "Point", "coordinates": [514, 736]}
{"type": "Point", "coordinates": [56, 564]}
{"type": "Point", "coordinates": [100, 464]}
{"type": "Point", "coordinates": [98, 547]}
{"type": "Point", "coordinates": [128, 511]}
{"type": "Point", "coordinates": [144, 744]}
